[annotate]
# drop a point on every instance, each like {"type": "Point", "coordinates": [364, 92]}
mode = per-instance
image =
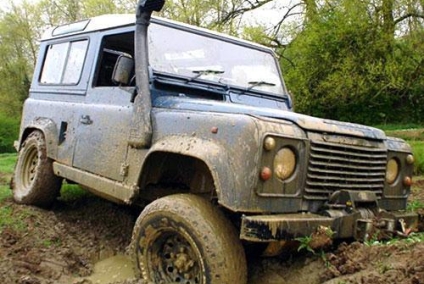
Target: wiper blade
{"type": "Point", "coordinates": [259, 83]}
{"type": "Point", "coordinates": [204, 72]}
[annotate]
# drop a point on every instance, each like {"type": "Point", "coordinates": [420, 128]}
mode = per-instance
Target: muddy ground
{"type": "Point", "coordinates": [63, 244]}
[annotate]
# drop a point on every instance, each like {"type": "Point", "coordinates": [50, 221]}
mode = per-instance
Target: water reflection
{"type": "Point", "coordinates": [112, 269]}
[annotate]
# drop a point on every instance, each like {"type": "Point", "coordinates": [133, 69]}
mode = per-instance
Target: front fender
{"type": "Point", "coordinates": [212, 154]}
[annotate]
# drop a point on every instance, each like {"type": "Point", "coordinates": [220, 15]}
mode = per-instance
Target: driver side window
{"type": "Point", "coordinates": [114, 46]}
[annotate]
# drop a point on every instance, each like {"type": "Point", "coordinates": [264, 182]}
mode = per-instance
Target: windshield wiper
{"type": "Point", "coordinates": [259, 83]}
{"type": "Point", "coordinates": [204, 72]}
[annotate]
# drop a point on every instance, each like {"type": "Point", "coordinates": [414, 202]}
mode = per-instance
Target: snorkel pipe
{"type": "Point", "coordinates": [141, 125]}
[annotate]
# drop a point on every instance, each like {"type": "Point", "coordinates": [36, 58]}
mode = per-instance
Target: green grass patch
{"type": "Point", "coordinates": [5, 217]}
{"type": "Point", "coordinates": [415, 205]}
{"type": "Point", "coordinates": [7, 163]}
{"type": "Point", "coordinates": [5, 192]}
{"type": "Point", "coordinates": [7, 166]}
{"type": "Point", "coordinates": [412, 238]}
{"type": "Point", "coordinates": [408, 134]}
{"type": "Point", "coordinates": [418, 150]}
{"type": "Point", "coordinates": [11, 220]}
{"type": "Point", "coordinates": [72, 192]}
{"type": "Point", "coordinates": [394, 127]}
{"type": "Point", "coordinates": [9, 131]}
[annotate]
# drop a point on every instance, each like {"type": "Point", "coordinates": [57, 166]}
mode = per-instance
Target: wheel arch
{"type": "Point", "coordinates": [201, 165]}
{"type": "Point", "coordinates": [49, 130]}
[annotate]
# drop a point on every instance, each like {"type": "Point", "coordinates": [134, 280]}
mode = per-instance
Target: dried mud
{"type": "Point", "coordinates": [61, 245]}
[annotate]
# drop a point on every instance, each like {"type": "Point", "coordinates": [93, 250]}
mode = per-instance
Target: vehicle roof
{"type": "Point", "coordinates": [113, 21]}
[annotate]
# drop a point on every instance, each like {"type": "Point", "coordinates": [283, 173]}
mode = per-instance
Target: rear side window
{"type": "Point", "coordinates": [64, 62]}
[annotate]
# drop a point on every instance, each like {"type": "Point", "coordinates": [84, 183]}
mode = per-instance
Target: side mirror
{"type": "Point", "coordinates": [123, 71]}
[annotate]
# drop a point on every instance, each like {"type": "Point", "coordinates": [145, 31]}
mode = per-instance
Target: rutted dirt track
{"type": "Point", "coordinates": [62, 245]}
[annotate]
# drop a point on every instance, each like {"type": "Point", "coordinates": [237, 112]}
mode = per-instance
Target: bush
{"type": "Point", "coordinates": [418, 150]}
{"type": "Point", "coordinates": [9, 131]}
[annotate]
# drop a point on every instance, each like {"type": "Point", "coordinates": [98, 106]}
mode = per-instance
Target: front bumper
{"type": "Point", "coordinates": [360, 224]}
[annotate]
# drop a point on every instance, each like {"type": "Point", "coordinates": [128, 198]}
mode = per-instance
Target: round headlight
{"type": "Point", "coordinates": [284, 163]}
{"type": "Point", "coordinates": [392, 171]}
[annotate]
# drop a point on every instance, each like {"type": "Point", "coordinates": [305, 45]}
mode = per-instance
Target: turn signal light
{"type": "Point", "coordinates": [410, 159]}
{"type": "Point", "coordinates": [407, 181]}
{"type": "Point", "coordinates": [266, 173]}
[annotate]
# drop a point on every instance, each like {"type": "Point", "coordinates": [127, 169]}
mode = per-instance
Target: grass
{"type": "Point", "coordinates": [418, 150]}
{"type": "Point", "coordinates": [415, 205]}
{"type": "Point", "coordinates": [412, 238]}
{"type": "Point", "coordinates": [394, 127]}
{"type": "Point", "coordinates": [72, 192]}
{"type": "Point", "coordinates": [5, 192]}
{"type": "Point", "coordinates": [7, 165]}
{"type": "Point", "coordinates": [13, 220]}
{"type": "Point", "coordinates": [408, 134]}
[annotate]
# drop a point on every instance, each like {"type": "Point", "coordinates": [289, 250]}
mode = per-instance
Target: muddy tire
{"type": "Point", "coordinates": [183, 238]}
{"type": "Point", "coordinates": [34, 182]}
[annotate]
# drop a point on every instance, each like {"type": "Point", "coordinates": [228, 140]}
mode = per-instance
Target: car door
{"type": "Point", "coordinates": [104, 123]}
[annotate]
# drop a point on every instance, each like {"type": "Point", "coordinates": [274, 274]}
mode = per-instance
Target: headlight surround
{"type": "Point", "coordinates": [284, 163]}
{"type": "Point", "coordinates": [392, 171]}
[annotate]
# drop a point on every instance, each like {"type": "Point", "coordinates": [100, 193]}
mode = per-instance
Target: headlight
{"type": "Point", "coordinates": [392, 171]}
{"type": "Point", "coordinates": [284, 163]}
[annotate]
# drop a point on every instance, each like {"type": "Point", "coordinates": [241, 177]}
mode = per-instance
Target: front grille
{"type": "Point", "coordinates": [334, 167]}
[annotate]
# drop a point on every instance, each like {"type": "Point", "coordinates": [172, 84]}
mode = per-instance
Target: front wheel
{"type": "Point", "coordinates": [185, 239]}
{"type": "Point", "coordinates": [34, 180]}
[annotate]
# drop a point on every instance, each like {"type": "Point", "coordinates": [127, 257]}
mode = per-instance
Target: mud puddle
{"type": "Point", "coordinates": [111, 270]}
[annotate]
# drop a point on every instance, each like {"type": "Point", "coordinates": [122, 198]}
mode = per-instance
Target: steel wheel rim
{"type": "Point", "coordinates": [29, 169]}
{"type": "Point", "coordinates": [179, 260]}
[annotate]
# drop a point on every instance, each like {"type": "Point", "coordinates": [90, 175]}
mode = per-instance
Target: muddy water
{"type": "Point", "coordinates": [113, 269]}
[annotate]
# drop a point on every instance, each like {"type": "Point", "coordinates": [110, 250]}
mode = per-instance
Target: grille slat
{"type": "Point", "coordinates": [351, 148]}
{"type": "Point", "coordinates": [334, 167]}
{"type": "Point", "coordinates": [346, 179]}
{"type": "Point", "coordinates": [342, 158]}
{"type": "Point", "coordinates": [347, 167]}
{"type": "Point", "coordinates": [341, 173]}
{"type": "Point", "coordinates": [329, 185]}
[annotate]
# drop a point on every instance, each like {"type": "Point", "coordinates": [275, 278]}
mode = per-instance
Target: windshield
{"type": "Point", "coordinates": [198, 56]}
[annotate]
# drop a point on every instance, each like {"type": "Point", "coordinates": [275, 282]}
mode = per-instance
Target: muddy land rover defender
{"type": "Point", "coordinates": [200, 126]}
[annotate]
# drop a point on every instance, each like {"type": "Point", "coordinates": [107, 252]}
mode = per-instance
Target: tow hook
{"type": "Point", "coordinates": [370, 221]}
{"type": "Point", "coordinates": [405, 231]}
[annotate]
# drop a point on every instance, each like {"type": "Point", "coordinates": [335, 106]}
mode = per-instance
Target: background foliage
{"type": "Point", "coordinates": [359, 60]}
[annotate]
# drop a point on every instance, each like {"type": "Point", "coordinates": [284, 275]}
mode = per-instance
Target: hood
{"type": "Point", "coordinates": [305, 122]}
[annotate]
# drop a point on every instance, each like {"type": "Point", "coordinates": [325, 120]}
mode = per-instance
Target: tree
{"type": "Point", "coordinates": [220, 15]}
{"type": "Point", "coordinates": [18, 53]}
{"type": "Point", "coordinates": [357, 55]}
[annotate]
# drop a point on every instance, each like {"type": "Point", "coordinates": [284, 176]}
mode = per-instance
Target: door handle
{"type": "Point", "coordinates": [85, 119]}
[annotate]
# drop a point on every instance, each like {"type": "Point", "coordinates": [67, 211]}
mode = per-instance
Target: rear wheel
{"type": "Point", "coordinates": [34, 180]}
{"type": "Point", "coordinates": [184, 239]}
